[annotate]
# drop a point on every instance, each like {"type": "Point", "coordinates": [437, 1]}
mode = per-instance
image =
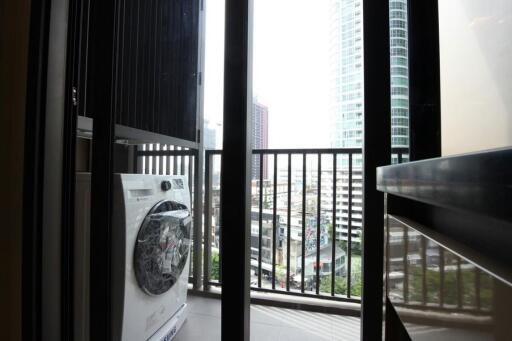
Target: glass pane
{"type": "Point", "coordinates": [475, 54]}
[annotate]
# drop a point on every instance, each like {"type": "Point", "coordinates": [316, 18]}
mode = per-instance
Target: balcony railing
{"type": "Point", "coordinates": [306, 217]}
{"type": "Point", "coordinates": [305, 231]}
{"type": "Point", "coordinates": [301, 184]}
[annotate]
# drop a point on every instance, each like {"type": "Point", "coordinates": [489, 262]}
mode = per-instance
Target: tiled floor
{"type": "Point", "coordinates": [268, 324]}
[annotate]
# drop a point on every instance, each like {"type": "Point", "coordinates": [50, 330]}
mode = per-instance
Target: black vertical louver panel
{"type": "Point", "coordinates": [156, 85]}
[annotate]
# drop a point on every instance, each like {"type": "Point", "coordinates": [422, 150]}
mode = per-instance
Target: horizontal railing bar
{"type": "Point", "coordinates": [297, 293]}
{"type": "Point", "coordinates": [305, 294]}
{"type": "Point", "coordinates": [213, 151]}
{"type": "Point", "coordinates": [311, 151]}
{"type": "Point", "coordinates": [190, 152]}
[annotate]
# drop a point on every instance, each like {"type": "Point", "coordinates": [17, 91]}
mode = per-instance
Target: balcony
{"type": "Point", "coordinates": [269, 323]}
{"type": "Point", "coordinates": [300, 183]}
{"type": "Point", "coordinates": [304, 244]}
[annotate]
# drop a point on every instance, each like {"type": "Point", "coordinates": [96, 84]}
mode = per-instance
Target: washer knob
{"type": "Point", "coordinates": [166, 185]}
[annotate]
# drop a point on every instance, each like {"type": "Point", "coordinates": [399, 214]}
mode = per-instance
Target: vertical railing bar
{"type": "Point", "coordinates": [149, 159]}
{"type": "Point", "coordinates": [207, 220]}
{"type": "Point", "coordinates": [424, 270]}
{"type": "Point", "coordinates": [168, 161]}
{"type": "Point", "coordinates": [406, 265]}
{"type": "Point", "coordinates": [175, 162]}
{"type": "Point", "coordinates": [477, 289]}
{"type": "Point", "coordinates": [182, 165]}
{"type": "Point", "coordinates": [149, 162]}
{"type": "Point", "coordinates": [303, 241]}
{"type": "Point", "coordinates": [140, 163]}
{"type": "Point", "coordinates": [333, 256]}
{"type": "Point", "coordinates": [318, 208]}
{"type": "Point", "coordinates": [274, 224]}
{"type": "Point", "coordinates": [441, 276]}
{"type": "Point", "coordinates": [220, 232]}
{"type": "Point", "coordinates": [260, 222]}
{"type": "Point", "coordinates": [198, 216]}
{"type": "Point", "coordinates": [132, 158]}
{"type": "Point", "coordinates": [288, 231]}
{"type": "Point", "coordinates": [349, 235]}
{"type": "Point", "coordinates": [196, 241]}
{"type": "Point", "coordinates": [157, 160]}
{"type": "Point", "coordinates": [163, 162]}
{"type": "Point", "coordinates": [460, 285]}
{"type": "Point", "coordinates": [190, 169]}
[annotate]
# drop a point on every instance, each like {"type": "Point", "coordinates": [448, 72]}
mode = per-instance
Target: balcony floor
{"type": "Point", "coordinates": [268, 323]}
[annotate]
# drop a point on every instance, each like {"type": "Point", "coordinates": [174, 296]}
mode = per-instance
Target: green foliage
{"type": "Point", "coordinates": [340, 285]}
{"type": "Point", "coordinates": [356, 247]}
{"type": "Point", "coordinates": [215, 266]}
{"type": "Point", "coordinates": [280, 275]}
{"type": "Point", "coordinates": [329, 230]}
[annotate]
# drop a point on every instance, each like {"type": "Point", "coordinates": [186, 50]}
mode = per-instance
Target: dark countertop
{"type": "Point", "coordinates": [480, 182]}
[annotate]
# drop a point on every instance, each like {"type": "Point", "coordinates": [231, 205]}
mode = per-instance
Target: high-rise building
{"type": "Point", "coordinates": [210, 136]}
{"type": "Point", "coordinates": [347, 95]}
{"type": "Point", "coordinates": [346, 44]}
{"type": "Point", "coordinates": [399, 73]}
{"type": "Point", "coordinates": [259, 136]}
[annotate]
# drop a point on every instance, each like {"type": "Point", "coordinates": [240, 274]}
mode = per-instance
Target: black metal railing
{"type": "Point", "coordinates": [166, 159]}
{"type": "Point", "coordinates": [326, 233]}
{"type": "Point", "coordinates": [328, 193]}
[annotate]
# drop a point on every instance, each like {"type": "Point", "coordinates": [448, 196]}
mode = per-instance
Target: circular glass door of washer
{"type": "Point", "coordinates": [162, 247]}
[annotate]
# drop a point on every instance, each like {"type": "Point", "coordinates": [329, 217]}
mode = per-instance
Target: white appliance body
{"type": "Point", "coordinates": [151, 238]}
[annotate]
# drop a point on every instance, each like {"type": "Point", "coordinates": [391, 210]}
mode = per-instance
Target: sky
{"type": "Point", "coordinates": [290, 69]}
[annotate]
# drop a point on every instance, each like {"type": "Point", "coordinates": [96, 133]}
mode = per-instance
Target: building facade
{"type": "Point", "coordinates": [210, 136]}
{"type": "Point", "coordinates": [347, 97]}
{"type": "Point", "coordinates": [259, 137]}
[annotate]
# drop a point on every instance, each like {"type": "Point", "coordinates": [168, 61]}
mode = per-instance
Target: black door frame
{"type": "Point", "coordinates": [33, 177]}
{"type": "Point", "coordinates": [235, 176]}
{"type": "Point", "coordinates": [238, 29]}
{"type": "Point", "coordinates": [425, 129]}
{"type": "Point", "coordinates": [376, 153]}
{"type": "Point", "coordinates": [424, 80]}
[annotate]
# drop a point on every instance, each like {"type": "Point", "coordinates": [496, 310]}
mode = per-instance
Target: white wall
{"type": "Point", "coordinates": [476, 74]}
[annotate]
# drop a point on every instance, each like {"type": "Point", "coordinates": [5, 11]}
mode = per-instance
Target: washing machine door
{"type": "Point", "coordinates": [162, 247]}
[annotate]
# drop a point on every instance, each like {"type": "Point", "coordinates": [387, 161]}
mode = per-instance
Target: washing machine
{"type": "Point", "coordinates": [151, 239]}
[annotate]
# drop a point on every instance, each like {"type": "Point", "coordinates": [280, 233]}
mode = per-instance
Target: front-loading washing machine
{"type": "Point", "coordinates": [151, 238]}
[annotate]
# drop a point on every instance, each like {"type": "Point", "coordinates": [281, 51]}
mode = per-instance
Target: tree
{"type": "Point", "coordinates": [329, 230]}
{"type": "Point", "coordinates": [215, 269]}
{"type": "Point", "coordinates": [340, 285]}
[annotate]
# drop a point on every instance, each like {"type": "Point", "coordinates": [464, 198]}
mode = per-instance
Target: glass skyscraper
{"type": "Point", "coordinates": [347, 94]}
{"type": "Point", "coordinates": [399, 74]}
